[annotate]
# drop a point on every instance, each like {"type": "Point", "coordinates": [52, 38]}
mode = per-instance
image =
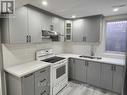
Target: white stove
{"type": "Point", "coordinates": [59, 69]}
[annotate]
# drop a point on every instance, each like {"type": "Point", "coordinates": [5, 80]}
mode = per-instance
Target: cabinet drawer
{"type": "Point", "coordinates": [43, 91]}
{"type": "Point", "coordinates": [42, 81]}
{"type": "Point", "coordinates": [43, 72]}
{"type": "Point", "coordinates": [42, 85]}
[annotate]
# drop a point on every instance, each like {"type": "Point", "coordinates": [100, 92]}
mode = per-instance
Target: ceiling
{"type": "Point", "coordinates": [80, 8]}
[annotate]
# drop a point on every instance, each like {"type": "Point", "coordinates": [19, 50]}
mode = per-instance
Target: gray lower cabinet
{"type": "Point", "coordinates": [106, 76]}
{"type": "Point", "coordinates": [37, 83]}
{"type": "Point", "coordinates": [28, 85]}
{"type": "Point", "coordinates": [20, 86]}
{"type": "Point", "coordinates": [80, 70]}
{"type": "Point", "coordinates": [118, 75]}
{"type": "Point", "coordinates": [42, 82]}
{"type": "Point", "coordinates": [71, 68]}
{"type": "Point", "coordinates": [77, 70]}
{"type": "Point", "coordinates": [93, 73]}
{"type": "Point", "coordinates": [112, 77]}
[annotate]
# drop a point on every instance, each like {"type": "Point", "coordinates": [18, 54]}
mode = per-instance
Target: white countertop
{"type": "Point", "coordinates": [21, 70]}
{"type": "Point", "coordinates": [26, 68]}
{"type": "Point", "coordinates": [120, 62]}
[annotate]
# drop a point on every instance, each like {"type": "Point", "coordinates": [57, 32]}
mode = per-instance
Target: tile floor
{"type": "Point", "coordinates": [82, 89]}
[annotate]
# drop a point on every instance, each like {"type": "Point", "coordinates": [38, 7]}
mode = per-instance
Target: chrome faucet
{"type": "Point", "coordinates": [92, 53]}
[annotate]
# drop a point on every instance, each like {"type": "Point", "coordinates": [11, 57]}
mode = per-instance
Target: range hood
{"type": "Point", "coordinates": [51, 35]}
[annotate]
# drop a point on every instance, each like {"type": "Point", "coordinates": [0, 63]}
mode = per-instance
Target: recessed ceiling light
{"type": "Point", "coordinates": [115, 9]}
{"type": "Point", "coordinates": [73, 16]}
{"type": "Point", "coordinates": [45, 3]}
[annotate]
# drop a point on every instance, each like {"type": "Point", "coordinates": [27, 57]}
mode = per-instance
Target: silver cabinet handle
{"type": "Point", "coordinates": [43, 83]}
{"type": "Point", "coordinates": [43, 93]}
{"type": "Point", "coordinates": [27, 38]}
{"type": "Point", "coordinates": [87, 64]}
{"type": "Point", "coordinates": [84, 39]}
{"type": "Point", "coordinates": [114, 68]}
{"type": "Point", "coordinates": [28, 75]}
{"type": "Point", "coordinates": [42, 71]}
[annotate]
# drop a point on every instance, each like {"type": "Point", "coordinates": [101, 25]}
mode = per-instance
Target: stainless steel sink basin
{"type": "Point", "coordinates": [90, 57]}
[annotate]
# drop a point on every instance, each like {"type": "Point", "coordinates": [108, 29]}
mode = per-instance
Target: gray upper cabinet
{"type": "Point", "coordinates": [58, 26]}
{"type": "Point", "coordinates": [27, 26]}
{"type": "Point", "coordinates": [87, 29]}
{"type": "Point", "coordinates": [78, 30]}
{"type": "Point", "coordinates": [37, 21]}
{"type": "Point", "coordinates": [15, 29]}
{"type": "Point", "coordinates": [93, 73]}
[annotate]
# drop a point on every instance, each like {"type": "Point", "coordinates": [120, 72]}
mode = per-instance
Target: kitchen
{"type": "Point", "coordinates": [67, 49]}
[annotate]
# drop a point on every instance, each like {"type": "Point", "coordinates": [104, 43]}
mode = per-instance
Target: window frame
{"type": "Point", "coordinates": [105, 31]}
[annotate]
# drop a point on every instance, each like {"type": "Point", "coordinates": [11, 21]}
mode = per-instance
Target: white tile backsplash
{"type": "Point", "coordinates": [20, 53]}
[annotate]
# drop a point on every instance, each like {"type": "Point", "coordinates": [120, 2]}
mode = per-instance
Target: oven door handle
{"type": "Point", "coordinates": [60, 64]}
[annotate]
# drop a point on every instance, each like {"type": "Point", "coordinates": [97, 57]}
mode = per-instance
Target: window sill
{"type": "Point", "coordinates": [115, 55]}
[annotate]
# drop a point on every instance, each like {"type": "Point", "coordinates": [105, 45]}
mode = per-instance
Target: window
{"type": "Point", "coordinates": [116, 36]}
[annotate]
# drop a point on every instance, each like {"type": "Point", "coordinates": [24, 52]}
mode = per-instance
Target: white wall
{"type": "Point", "coordinates": [20, 53]}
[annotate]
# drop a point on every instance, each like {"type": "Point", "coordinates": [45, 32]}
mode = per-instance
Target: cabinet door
{"type": "Point", "coordinates": [80, 70]}
{"type": "Point", "coordinates": [35, 26]}
{"type": "Point", "coordinates": [56, 24]}
{"type": "Point", "coordinates": [62, 30]}
{"type": "Point", "coordinates": [28, 85]}
{"type": "Point", "coordinates": [118, 79]}
{"type": "Point", "coordinates": [78, 30]}
{"type": "Point", "coordinates": [93, 73]}
{"type": "Point", "coordinates": [106, 76]}
{"type": "Point", "coordinates": [71, 68]}
{"type": "Point", "coordinates": [42, 81]}
{"type": "Point", "coordinates": [92, 25]}
{"type": "Point", "coordinates": [18, 26]}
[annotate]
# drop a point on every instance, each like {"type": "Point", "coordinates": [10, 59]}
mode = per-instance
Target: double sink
{"type": "Point", "coordinates": [90, 57]}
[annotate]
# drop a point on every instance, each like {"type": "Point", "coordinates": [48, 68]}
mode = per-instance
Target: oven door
{"type": "Point", "coordinates": [60, 72]}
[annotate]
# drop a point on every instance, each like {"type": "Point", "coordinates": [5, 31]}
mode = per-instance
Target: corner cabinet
{"type": "Point", "coordinates": [87, 29]}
